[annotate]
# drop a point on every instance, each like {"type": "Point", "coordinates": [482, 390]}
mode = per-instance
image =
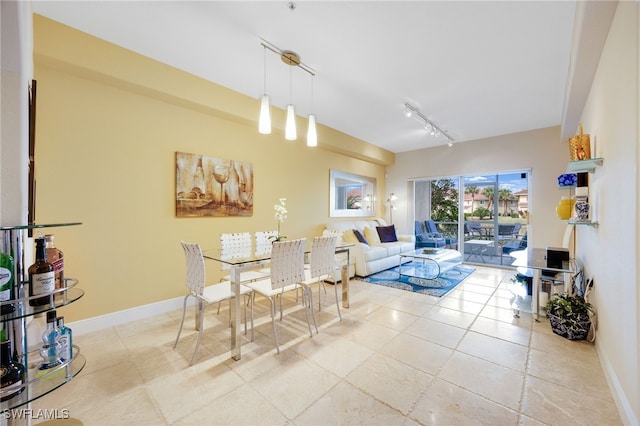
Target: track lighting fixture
{"type": "Point", "coordinates": [429, 126]}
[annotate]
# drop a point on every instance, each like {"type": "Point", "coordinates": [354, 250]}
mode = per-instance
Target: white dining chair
{"type": "Point", "coordinates": [195, 282]}
{"type": "Point", "coordinates": [287, 271]}
{"type": "Point", "coordinates": [238, 246]}
{"type": "Point", "coordinates": [322, 267]}
{"type": "Point", "coordinates": [341, 258]}
{"type": "Point", "coordinates": [264, 241]}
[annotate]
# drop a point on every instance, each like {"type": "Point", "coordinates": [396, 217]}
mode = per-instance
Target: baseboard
{"type": "Point", "coordinates": [101, 322]}
{"type": "Point", "coordinates": [625, 410]}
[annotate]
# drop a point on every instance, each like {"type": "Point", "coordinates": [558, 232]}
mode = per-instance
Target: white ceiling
{"type": "Point", "coordinates": [476, 68]}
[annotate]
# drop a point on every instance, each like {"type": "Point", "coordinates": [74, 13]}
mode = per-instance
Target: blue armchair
{"type": "Point", "coordinates": [425, 238]}
{"type": "Point", "coordinates": [432, 228]}
{"type": "Point", "coordinates": [516, 245]}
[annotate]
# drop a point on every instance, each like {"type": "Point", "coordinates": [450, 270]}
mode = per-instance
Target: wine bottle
{"type": "Point", "coordinates": [66, 341]}
{"type": "Point", "coordinates": [56, 258]}
{"type": "Point", "coordinates": [12, 378]}
{"type": "Point", "coordinates": [51, 348]}
{"type": "Point", "coordinates": [6, 284]}
{"type": "Point", "coordinates": [41, 276]}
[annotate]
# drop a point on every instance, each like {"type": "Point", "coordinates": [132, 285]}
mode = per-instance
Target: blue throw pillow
{"type": "Point", "coordinates": [387, 233]}
{"type": "Point", "coordinates": [360, 237]}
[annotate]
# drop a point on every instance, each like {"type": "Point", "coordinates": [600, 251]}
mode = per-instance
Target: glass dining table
{"type": "Point", "coordinates": [256, 260]}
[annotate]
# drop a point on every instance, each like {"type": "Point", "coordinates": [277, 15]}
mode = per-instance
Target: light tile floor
{"type": "Point", "coordinates": [396, 358]}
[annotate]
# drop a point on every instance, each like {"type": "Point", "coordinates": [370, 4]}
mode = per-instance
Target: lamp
{"type": "Point", "coordinates": [429, 126]}
{"type": "Point", "coordinates": [264, 124]}
{"type": "Point", "coordinates": [290, 132]}
{"type": "Point", "coordinates": [371, 199]}
{"type": "Point", "coordinates": [390, 200]}
{"type": "Point", "coordinates": [312, 133]}
{"type": "Point", "coordinates": [292, 59]}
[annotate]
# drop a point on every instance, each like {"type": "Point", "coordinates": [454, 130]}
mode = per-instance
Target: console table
{"type": "Point", "coordinates": [536, 260]}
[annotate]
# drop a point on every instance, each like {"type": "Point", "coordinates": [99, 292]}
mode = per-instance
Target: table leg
{"type": "Point", "coordinates": [535, 296]}
{"type": "Point", "coordinates": [236, 342]}
{"type": "Point", "coordinates": [345, 283]}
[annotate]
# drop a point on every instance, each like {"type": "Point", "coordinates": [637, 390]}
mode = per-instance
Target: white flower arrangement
{"type": "Point", "coordinates": [280, 215]}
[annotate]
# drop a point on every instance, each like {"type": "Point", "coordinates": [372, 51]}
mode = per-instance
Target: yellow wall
{"type": "Point", "coordinates": [109, 122]}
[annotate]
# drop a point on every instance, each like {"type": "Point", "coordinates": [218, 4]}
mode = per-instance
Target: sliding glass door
{"type": "Point", "coordinates": [484, 216]}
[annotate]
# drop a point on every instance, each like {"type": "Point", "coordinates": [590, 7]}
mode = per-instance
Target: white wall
{"type": "Point", "coordinates": [16, 66]}
{"type": "Point", "coordinates": [540, 151]}
{"type": "Point", "coordinates": [610, 252]}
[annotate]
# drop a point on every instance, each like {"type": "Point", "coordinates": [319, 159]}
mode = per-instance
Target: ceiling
{"type": "Point", "coordinates": [476, 68]}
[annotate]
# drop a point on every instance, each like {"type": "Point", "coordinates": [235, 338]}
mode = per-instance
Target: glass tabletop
{"type": "Point", "coordinates": [253, 255]}
{"type": "Point", "coordinates": [536, 258]}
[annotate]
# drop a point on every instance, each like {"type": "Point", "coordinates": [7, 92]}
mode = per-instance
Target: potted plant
{"type": "Point", "coordinates": [569, 316]}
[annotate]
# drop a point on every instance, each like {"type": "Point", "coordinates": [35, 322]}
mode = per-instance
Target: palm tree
{"type": "Point", "coordinates": [473, 190]}
{"type": "Point", "coordinates": [488, 192]}
{"type": "Point", "coordinates": [505, 195]}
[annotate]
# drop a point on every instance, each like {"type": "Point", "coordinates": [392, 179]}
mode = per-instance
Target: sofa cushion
{"type": "Point", "coordinates": [387, 233]}
{"type": "Point", "coordinates": [393, 248]}
{"type": "Point", "coordinates": [349, 237]}
{"type": "Point", "coordinates": [361, 238]}
{"type": "Point", "coordinates": [375, 253]}
{"type": "Point", "coordinates": [371, 235]}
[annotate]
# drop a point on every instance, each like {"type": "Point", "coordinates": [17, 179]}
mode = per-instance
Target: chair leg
{"type": "Point", "coordinates": [245, 314]}
{"type": "Point", "coordinates": [184, 311]}
{"type": "Point", "coordinates": [309, 307]}
{"type": "Point", "coordinates": [335, 289]}
{"type": "Point", "coordinates": [273, 323]}
{"type": "Point", "coordinates": [201, 326]}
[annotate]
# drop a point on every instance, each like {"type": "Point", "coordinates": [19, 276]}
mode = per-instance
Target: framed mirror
{"type": "Point", "coordinates": [351, 195]}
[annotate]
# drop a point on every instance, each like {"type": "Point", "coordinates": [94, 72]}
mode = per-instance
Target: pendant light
{"type": "Point", "coordinates": [290, 132]}
{"type": "Point", "coordinates": [312, 134]}
{"type": "Point", "coordinates": [264, 124]}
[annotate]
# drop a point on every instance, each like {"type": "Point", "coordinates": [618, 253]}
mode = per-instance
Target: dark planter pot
{"type": "Point", "coordinates": [570, 328]}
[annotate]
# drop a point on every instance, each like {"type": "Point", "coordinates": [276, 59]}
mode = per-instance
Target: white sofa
{"type": "Point", "coordinates": [375, 256]}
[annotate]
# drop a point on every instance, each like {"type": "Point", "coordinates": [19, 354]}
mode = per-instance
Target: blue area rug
{"type": "Point", "coordinates": [437, 287]}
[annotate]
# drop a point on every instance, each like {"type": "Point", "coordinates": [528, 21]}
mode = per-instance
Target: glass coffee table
{"type": "Point", "coordinates": [432, 263]}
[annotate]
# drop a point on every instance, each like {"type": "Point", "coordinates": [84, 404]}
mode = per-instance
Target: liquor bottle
{"type": "Point", "coordinates": [55, 257]}
{"type": "Point", "coordinates": [6, 283]}
{"type": "Point", "coordinates": [66, 341]}
{"type": "Point", "coordinates": [51, 348]}
{"type": "Point", "coordinates": [41, 276]}
{"type": "Point", "coordinates": [12, 377]}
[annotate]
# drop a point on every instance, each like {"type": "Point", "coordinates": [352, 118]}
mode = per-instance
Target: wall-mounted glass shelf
{"type": "Point", "coordinates": [581, 166]}
{"type": "Point", "coordinates": [594, 224]}
{"type": "Point", "coordinates": [35, 226]}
